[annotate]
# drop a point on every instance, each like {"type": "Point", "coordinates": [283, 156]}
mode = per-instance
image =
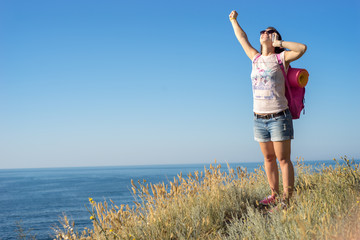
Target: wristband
{"type": "Point", "coordinates": [281, 41]}
{"type": "Point", "coordinates": [232, 18]}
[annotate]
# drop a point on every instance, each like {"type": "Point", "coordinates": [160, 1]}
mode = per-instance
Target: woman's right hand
{"type": "Point", "coordinates": [233, 15]}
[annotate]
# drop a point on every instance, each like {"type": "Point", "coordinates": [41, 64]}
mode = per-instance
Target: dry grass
{"type": "Point", "coordinates": [216, 204]}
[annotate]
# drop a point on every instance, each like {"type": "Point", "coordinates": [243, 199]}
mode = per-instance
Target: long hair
{"type": "Point", "coordinates": [277, 49]}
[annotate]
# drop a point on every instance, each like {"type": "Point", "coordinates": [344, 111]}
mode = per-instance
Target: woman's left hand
{"type": "Point", "coordinates": [275, 40]}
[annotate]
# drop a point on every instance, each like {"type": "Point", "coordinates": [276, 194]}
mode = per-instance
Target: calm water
{"type": "Point", "coordinates": [39, 197]}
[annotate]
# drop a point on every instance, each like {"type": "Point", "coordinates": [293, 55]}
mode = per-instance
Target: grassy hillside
{"type": "Point", "coordinates": [223, 204]}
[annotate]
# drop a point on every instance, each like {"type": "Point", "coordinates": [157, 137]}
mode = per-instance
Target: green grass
{"type": "Point", "coordinates": [222, 204]}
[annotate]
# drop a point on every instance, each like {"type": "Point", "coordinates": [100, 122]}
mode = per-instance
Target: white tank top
{"type": "Point", "coordinates": [268, 84]}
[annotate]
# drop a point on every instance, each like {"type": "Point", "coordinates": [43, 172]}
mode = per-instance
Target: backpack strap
{"type": "Point", "coordinates": [281, 65]}
{"type": "Point", "coordinates": [258, 55]}
{"type": "Point", "coordinates": [287, 84]}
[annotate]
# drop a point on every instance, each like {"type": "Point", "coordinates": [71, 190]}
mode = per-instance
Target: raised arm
{"type": "Point", "coordinates": [242, 37]}
{"type": "Point", "coordinates": [296, 50]}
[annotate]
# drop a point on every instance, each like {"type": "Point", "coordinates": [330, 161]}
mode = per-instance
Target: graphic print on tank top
{"type": "Point", "coordinates": [262, 84]}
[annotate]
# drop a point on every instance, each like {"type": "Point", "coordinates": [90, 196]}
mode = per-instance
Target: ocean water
{"type": "Point", "coordinates": [37, 198]}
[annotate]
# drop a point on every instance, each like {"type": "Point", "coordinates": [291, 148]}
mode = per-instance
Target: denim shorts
{"type": "Point", "coordinates": [274, 129]}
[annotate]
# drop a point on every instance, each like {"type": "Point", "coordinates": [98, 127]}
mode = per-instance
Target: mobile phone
{"type": "Point", "coordinates": [273, 37]}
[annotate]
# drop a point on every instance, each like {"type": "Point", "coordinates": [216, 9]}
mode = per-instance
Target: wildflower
{"type": "Point", "coordinates": [91, 200]}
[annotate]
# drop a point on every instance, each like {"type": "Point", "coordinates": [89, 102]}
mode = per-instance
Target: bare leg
{"type": "Point", "coordinates": [282, 151]}
{"type": "Point", "coordinates": [271, 167]}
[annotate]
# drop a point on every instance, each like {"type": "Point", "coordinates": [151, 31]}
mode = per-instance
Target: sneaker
{"type": "Point", "coordinates": [270, 200]}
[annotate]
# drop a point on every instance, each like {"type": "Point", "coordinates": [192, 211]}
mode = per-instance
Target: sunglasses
{"type": "Point", "coordinates": [268, 32]}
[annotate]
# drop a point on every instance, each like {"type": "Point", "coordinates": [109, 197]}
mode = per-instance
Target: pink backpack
{"type": "Point", "coordinates": [295, 82]}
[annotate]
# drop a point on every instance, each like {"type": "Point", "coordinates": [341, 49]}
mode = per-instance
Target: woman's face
{"type": "Point", "coordinates": [265, 36]}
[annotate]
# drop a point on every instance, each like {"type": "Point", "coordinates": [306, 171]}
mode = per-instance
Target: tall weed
{"type": "Point", "coordinates": [215, 204]}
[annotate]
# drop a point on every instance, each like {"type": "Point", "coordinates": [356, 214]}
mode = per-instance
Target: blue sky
{"type": "Point", "coordinates": [102, 83]}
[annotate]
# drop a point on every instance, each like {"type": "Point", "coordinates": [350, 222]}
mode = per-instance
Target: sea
{"type": "Point", "coordinates": [32, 201]}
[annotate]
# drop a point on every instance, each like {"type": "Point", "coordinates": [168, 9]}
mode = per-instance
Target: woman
{"type": "Point", "coordinates": [273, 127]}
